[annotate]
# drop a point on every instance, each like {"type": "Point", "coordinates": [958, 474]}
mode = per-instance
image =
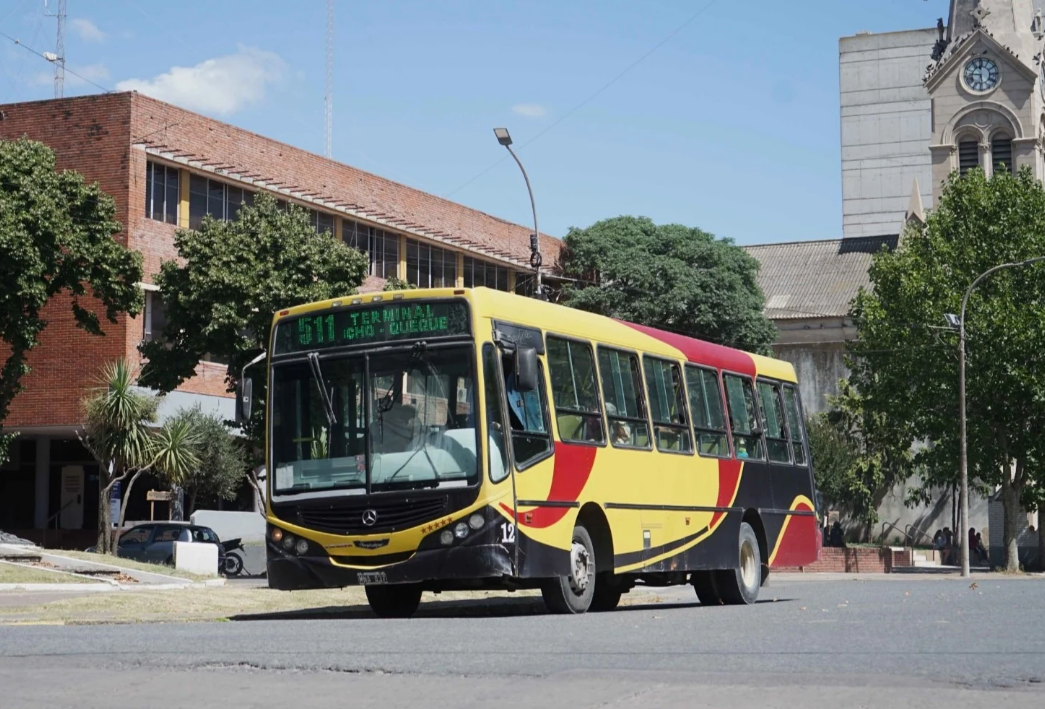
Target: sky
{"type": "Point", "coordinates": [717, 114]}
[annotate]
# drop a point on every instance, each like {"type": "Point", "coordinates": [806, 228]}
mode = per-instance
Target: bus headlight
{"type": "Point", "coordinates": [447, 537]}
{"type": "Point", "coordinates": [476, 521]}
{"type": "Point", "coordinates": [461, 530]}
{"type": "Point", "coordinates": [301, 547]}
{"type": "Point", "coordinates": [276, 535]}
{"type": "Point", "coordinates": [288, 542]}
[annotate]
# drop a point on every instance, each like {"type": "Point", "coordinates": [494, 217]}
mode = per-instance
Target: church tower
{"type": "Point", "coordinates": [987, 89]}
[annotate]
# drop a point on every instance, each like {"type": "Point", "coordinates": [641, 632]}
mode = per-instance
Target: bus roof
{"type": "Point", "coordinates": [559, 319]}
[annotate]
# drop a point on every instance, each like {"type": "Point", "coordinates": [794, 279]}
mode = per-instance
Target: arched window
{"type": "Point", "coordinates": [1001, 153]}
{"type": "Point", "coordinates": [968, 155]}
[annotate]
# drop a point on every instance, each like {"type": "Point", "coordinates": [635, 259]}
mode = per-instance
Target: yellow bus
{"type": "Point", "coordinates": [451, 439]}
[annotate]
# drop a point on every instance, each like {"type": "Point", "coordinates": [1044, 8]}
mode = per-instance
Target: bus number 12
{"type": "Point", "coordinates": [507, 532]}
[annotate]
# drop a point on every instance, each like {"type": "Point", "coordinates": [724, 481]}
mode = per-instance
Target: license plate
{"type": "Point", "coordinates": [371, 578]}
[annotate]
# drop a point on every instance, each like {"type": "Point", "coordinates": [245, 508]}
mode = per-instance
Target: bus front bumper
{"type": "Point", "coordinates": [474, 561]}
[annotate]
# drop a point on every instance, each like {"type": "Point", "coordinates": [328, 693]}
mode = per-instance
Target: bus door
{"type": "Point", "coordinates": [524, 406]}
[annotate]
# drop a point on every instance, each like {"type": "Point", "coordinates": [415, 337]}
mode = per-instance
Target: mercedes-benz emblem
{"type": "Point", "coordinates": [369, 518]}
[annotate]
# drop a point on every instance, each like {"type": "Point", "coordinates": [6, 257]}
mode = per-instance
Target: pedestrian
{"type": "Point", "coordinates": [938, 540]}
{"type": "Point", "coordinates": [980, 549]}
{"type": "Point", "coordinates": [837, 538]}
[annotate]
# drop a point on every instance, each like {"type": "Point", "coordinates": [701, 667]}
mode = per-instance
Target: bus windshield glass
{"type": "Point", "coordinates": [420, 422]}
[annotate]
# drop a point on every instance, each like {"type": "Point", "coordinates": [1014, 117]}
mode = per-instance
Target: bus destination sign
{"type": "Point", "coordinates": [376, 324]}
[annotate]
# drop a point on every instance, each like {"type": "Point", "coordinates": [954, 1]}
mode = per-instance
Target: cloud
{"type": "Point", "coordinates": [98, 73]}
{"type": "Point", "coordinates": [529, 110]}
{"type": "Point", "coordinates": [87, 30]}
{"type": "Point", "coordinates": [222, 85]}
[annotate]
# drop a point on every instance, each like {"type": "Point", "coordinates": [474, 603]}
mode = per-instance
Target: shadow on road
{"type": "Point", "coordinates": [479, 608]}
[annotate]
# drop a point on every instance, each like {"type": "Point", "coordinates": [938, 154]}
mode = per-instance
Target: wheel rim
{"type": "Point", "coordinates": [749, 564]}
{"type": "Point", "coordinates": [581, 571]}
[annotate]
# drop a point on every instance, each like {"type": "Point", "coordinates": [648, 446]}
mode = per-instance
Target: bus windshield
{"type": "Point", "coordinates": [420, 422]}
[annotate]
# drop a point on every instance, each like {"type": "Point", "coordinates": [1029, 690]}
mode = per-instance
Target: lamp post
{"type": "Point", "coordinates": [505, 139]}
{"type": "Point", "coordinates": [958, 322]}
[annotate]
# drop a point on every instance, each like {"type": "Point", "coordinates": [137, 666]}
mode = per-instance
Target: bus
{"type": "Point", "coordinates": [454, 439]}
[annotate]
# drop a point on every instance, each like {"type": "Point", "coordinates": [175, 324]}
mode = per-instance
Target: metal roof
{"type": "Point", "coordinates": [812, 279]}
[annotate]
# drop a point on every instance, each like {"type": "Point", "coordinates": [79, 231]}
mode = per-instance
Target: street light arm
{"type": "Point", "coordinates": [976, 282]}
{"type": "Point", "coordinates": [533, 206]}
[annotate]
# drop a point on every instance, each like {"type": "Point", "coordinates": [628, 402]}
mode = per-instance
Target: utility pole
{"type": "Point", "coordinates": [58, 58]}
{"type": "Point", "coordinates": [328, 100]}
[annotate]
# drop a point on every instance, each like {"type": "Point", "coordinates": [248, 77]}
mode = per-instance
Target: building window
{"type": "Point", "coordinates": [429, 266]}
{"type": "Point", "coordinates": [968, 155]}
{"type": "Point", "coordinates": [382, 247]}
{"type": "Point", "coordinates": [321, 221]}
{"type": "Point", "coordinates": [1001, 154]}
{"type": "Point", "coordinates": [161, 193]}
{"type": "Point", "coordinates": [155, 317]}
{"type": "Point", "coordinates": [481, 273]}
{"type": "Point", "coordinates": [215, 198]}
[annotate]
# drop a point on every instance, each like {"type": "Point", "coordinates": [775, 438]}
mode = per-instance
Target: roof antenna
{"type": "Point", "coordinates": [58, 57]}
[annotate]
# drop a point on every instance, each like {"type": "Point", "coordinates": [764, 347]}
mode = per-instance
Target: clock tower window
{"type": "Point", "coordinates": [968, 155]}
{"type": "Point", "coordinates": [1001, 154]}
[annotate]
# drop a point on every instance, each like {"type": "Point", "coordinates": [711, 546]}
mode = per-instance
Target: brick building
{"type": "Point", "coordinates": [167, 167]}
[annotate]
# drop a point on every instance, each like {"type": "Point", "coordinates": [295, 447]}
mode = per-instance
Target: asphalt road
{"type": "Point", "coordinates": [900, 641]}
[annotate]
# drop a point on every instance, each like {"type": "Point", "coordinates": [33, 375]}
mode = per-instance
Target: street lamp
{"type": "Point", "coordinates": [505, 139]}
{"type": "Point", "coordinates": [958, 322]}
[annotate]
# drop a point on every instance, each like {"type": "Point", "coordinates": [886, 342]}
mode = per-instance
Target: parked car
{"type": "Point", "coordinates": [153, 542]}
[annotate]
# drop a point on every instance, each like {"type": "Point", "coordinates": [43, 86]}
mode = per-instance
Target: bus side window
{"type": "Point", "coordinates": [795, 424]}
{"type": "Point", "coordinates": [773, 423]}
{"type": "Point", "coordinates": [624, 399]}
{"type": "Point", "coordinates": [527, 417]}
{"type": "Point", "coordinates": [667, 399]}
{"type": "Point", "coordinates": [576, 396]}
{"type": "Point", "coordinates": [747, 439]}
{"type": "Point", "coordinates": [495, 433]}
{"type": "Point", "coordinates": [705, 404]}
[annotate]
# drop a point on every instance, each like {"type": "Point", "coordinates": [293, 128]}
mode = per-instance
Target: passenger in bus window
{"type": "Point", "coordinates": [524, 408]}
{"type": "Point", "coordinates": [620, 431]}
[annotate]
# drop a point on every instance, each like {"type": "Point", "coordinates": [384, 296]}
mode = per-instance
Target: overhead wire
{"type": "Point", "coordinates": [19, 43]}
{"type": "Point", "coordinates": [592, 96]}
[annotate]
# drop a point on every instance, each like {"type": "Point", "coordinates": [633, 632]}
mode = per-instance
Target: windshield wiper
{"type": "Point", "coordinates": [317, 374]}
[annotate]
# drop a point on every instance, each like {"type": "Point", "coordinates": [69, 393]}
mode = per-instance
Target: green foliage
{"type": "Point", "coordinates": [905, 367]}
{"type": "Point", "coordinates": [56, 237]}
{"type": "Point", "coordinates": [668, 276]}
{"type": "Point", "coordinates": [223, 460]}
{"type": "Point", "coordinates": [119, 428]}
{"type": "Point", "coordinates": [231, 279]}
{"type": "Point", "coordinates": [5, 446]}
{"type": "Point", "coordinates": [395, 283]}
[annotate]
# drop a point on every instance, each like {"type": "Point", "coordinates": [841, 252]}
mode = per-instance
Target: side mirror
{"type": "Point", "coordinates": [526, 369]}
{"type": "Point", "coordinates": [244, 400]}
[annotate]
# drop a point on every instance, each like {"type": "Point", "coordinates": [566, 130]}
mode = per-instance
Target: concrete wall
{"type": "Point", "coordinates": [886, 127]}
{"type": "Point", "coordinates": [248, 526]}
{"type": "Point", "coordinates": [926, 518]}
{"type": "Point", "coordinates": [819, 366]}
{"type": "Point", "coordinates": [1026, 542]}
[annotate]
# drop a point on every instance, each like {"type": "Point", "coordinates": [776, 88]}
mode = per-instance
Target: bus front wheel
{"type": "Point", "coordinates": [740, 586]}
{"type": "Point", "coordinates": [399, 601]}
{"type": "Point", "coordinates": [572, 594]}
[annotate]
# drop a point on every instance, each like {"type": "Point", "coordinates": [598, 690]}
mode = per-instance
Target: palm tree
{"type": "Point", "coordinates": [120, 431]}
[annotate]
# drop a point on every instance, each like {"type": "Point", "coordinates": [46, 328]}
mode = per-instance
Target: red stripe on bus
{"type": "Point", "coordinates": [728, 482]}
{"type": "Point", "coordinates": [573, 466]}
{"type": "Point", "coordinates": [798, 545]}
{"type": "Point", "coordinates": [700, 352]}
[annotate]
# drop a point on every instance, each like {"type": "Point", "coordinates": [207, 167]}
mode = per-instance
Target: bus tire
{"type": "Point", "coordinates": [740, 586]}
{"type": "Point", "coordinates": [573, 594]}
{"type": "Point", "coordinates": [608, 590]}
{"type": "Point", "coordinates": [704, 584]}
{"type": "Point", "coordinates": [397, 601]}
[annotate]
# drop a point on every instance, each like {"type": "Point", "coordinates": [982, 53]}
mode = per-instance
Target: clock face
{"type": "Point", "coordinates": [981, 74]}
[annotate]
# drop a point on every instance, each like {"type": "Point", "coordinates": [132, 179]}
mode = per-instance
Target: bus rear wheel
{"type": "Point", "coordinates": [704, 584]}
{"type": "Point", "coordinates": [572, 594]}
{"type": "Point", "coordinates": [740, 586]}
{"type": "Point", "coordinates": [398, 601]}
{"type": "Point", "coordinates": [608, 591]}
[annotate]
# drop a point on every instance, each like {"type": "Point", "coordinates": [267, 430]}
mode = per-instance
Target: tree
{"type": "Point", "coordinates": [56, 237]}
{"type": "Point", "coordinates": [223, 460]}
{"type": "Point", "coordinates": [669, 276]}
{"type": "Point", "coordinates": [395, 283]}
{"type": "Point", "coordinates": [905, 366]}
{"type": "Point", "coordinates": [229, 281]}
{"type": "Point", "coordinates": [120, 431]}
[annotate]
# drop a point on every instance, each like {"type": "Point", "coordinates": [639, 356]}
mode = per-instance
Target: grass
{"type": "Point", "coordinates": [19, 573]}
{"type": "Point", "coordinates": [127, 564]}
{"type": "Point", "coordinates": [237, 602]}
